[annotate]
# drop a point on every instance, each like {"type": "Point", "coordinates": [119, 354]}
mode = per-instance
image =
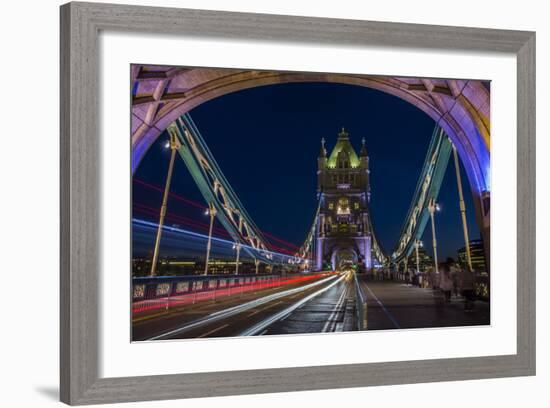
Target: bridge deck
{"type": "Point", "coordinates": [325, 305]}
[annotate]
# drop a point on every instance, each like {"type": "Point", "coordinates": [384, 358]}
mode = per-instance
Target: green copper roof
{"type": "Point", "coordinates": [343, 144]}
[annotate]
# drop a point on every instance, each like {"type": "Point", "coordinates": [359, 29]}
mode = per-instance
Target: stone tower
{"type": "Point", "coordinates": [343, 234]}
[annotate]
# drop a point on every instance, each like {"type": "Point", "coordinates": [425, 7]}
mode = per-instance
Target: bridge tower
{"type": "Point", "coordinates": [343, 234]}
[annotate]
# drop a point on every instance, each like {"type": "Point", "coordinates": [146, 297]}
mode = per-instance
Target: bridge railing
{"type": "Point", "coordinates": [360, 305]}
{"type": "Point", "coordinates": [164, 293]}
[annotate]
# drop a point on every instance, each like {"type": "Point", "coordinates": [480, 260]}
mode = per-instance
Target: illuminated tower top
{"type": "Point", "coordinates": [343, 169]}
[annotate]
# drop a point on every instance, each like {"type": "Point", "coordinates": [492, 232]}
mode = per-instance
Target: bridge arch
{"type": "Point", "coordinates": [461, 107]}
{"type": "Point", "coordinates": [343, 256]}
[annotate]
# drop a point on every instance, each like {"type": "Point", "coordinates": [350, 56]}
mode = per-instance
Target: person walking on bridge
{"type": "Point", "coordinates": [431, 278]}
{"type": "Point", "coordinates": [446, 283]}
{"type": "Point", "coordinates": [407, 277]}
{"type": "Point", "coordinates": [467, 288]}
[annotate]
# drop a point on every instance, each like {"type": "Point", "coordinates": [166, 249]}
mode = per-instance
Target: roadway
{"type": "Point", "coordinates": [331, 311]}
{"type": "Point", "coordinates": [246, 315]}
{"type": "Point", "coordinates": [324, 305]}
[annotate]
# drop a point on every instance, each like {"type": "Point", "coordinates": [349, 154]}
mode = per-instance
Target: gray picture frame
{"type": "Point", "coordinates": [80, 192]}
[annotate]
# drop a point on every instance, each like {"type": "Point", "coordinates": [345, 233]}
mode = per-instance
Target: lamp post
{"type": "Point", "coordinates": [432, 208]}
{"type": "Point", "coordinates": [172, 144]}
{"type": "Point", "coordinates": [417, 245]}
{"type": "Point", "coordinates": [212, 212]}
{"type": "Point", "coordinates": [462, 209]}
{"type": "Point", "coordinates": [237, 246]}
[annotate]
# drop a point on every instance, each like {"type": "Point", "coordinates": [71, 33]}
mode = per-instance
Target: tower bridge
{"type": "Point", "coordinates": [325, 285]}
{"type": "Point", "coordinates": [162, 94]}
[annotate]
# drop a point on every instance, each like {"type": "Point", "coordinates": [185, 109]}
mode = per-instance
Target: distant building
{"type": "Point", "coordinates": [166, 267]}
{"type": "Point", "coordinates": [171, 266]}
{"type": "Point", "coordinates": [477, 254]}
{"type": "Point", "coordinates": [141, 266]}
{"type": "Point", "coordinates": [425, 261]}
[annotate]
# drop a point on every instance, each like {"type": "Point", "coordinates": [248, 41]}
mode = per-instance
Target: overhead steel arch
{"type": "Point", "coordinates": [343, 254]}
{"type": "Point", "coordinates": [161, 94]}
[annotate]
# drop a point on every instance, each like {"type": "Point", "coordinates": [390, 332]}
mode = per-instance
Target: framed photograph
{"type": "Point", "coordinates": [261, 203]}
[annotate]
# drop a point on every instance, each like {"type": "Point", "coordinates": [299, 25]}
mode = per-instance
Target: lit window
{"type": "Point", "coordinates": [356, 205]}
{"type": "Point", "coordinates": [331, 205]}
{"type": "Point", "coordinates": [343, 206]}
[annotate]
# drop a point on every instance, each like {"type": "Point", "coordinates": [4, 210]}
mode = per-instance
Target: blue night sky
{"type": "Point", "coordinates": [266, 141]}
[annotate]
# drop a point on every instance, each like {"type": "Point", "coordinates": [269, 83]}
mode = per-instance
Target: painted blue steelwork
{"type": "Point", "coordinates": [217, 191]}
{"type": "Point", "coordinates": [427, 188]}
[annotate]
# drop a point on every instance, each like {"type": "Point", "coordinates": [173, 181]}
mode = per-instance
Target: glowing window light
{"type": "Point", "coordinates": [342, 210]}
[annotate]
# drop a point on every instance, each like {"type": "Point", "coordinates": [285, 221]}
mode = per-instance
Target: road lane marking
{"type": "Point", "coordinates": [213, 331]}
{"type": "Point", "coordinates": [264, 324]}
{"type": "Point", "coordinates": [265, 308]}
{"type": "Point", "coordinates": [330, 321]}
{"type": "Point", "coordinates": [388, 314]}
{"type": "Point", "coordinates": [222, 314]}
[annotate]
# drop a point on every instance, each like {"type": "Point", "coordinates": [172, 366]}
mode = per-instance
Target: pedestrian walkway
{"type": "Point", "coordinates": [392, 305]}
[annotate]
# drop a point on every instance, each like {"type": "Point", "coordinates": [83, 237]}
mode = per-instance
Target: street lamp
{"type": "Point", "coordinates": [212, 212]}
{"type": "Point", "coordinates": [417, 244]}
{"type": "Point", "coordinates": [432, 208]}
{"type": "Point", "coordinates": [237, 246]}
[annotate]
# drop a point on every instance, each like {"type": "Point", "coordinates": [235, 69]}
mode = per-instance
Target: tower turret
{"type": "Point", "coordinates": [364, 164]}
{"type": "Point", "coordinates": [323, 151]}
{"type": "Point", "coordinates": [321, 165]}
{"type": "Point", "coordinates": [363, 152]}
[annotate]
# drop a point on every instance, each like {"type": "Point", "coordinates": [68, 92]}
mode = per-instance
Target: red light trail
{"type": "Point", "coordinates": [192, 297]}
{"type": "Point", "coordinates": [293, 247]}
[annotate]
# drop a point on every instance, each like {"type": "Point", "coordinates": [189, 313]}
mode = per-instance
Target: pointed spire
{"type": "Point", "coordinates": [363, 152]}
{"type": "Point", "coordinates": [343, 135]}
{"type": "Point", "coordinates": [323, 151]}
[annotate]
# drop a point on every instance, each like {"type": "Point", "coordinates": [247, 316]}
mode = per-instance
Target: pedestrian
{"type": "Point", "coordinates": [454, 273]}
{"type": "Point", "coordinates": [430, 277]}
{"type": "Point", "coordinates": [446, 283]}
{"type": "Point", "coordinates": [467, 288]}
